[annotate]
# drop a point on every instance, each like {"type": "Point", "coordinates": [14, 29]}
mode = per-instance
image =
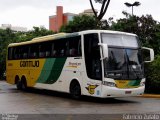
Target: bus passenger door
{"type": "Point", "coordinates": [93, 75]}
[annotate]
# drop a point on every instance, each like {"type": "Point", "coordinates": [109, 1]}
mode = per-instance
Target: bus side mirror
{"type": "Point", "coordinates": [148, 54]}
{"type": "Point", "coordinates": [104, 50]}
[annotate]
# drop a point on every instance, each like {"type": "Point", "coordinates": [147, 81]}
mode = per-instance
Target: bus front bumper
{"type": "Point", "coordinates": [117, 92]}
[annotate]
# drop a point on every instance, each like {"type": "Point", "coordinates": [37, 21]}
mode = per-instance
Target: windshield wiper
{"type": "Point", "coordinates": [135, 73]}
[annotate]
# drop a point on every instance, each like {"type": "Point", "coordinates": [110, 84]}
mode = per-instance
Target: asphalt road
{"type": "Point", "coordinates": [35, 101]}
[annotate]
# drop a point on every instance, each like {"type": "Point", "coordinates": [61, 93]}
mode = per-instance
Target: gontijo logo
{"type": "Point", "coordinates": [91, 88]}
{"type": "Point", "coordinates": [29, 63]}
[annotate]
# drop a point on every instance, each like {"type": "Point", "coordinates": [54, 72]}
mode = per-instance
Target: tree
{"type": "Point", "coordinates": [79, 23]}
{"type": "Point", "coordinates": [37, 32]}
{"type": "Point", "coordinates": [153, 77]}
{"type": "Point", "coordinates": [6, 36]}
{"type": "Point", "coordinates": [132, 5]}
{"type": "Point", "coordinates": [104, 7]}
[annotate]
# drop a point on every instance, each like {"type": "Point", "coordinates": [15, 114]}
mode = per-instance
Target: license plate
{"type": "Point", "coordinates": [128, 92]}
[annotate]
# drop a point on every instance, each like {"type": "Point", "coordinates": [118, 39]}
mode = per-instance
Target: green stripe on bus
{"type": "Point", "coordinates": [134, 83]}
{"type": "Point", "coordinates": [46, 71]}
{"type": "Point", "coordinates": [51, 70]}
{"type": "Point", "coordinates": [56, 70]}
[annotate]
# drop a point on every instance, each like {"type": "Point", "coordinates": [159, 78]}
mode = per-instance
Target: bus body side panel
{"type": "Point", "coordinates": [74, 69]}
{"type": "Point", "coordinates": [51, 73]}
{"type": "Point", "coordinates": [30, 69]}
{"type": "Point", "coordinates": [43, 71]}
{"type": "Point", "coordinates": [70, 70]}
{"type": "Point", "coordinates": [49, 77]}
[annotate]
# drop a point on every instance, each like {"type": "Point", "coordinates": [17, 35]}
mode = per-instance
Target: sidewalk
{"type": "Point", "coordinates": [151, 95]}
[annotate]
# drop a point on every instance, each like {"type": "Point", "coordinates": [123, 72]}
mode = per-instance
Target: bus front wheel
{"type": "Point", "coordinates": [75, 90]}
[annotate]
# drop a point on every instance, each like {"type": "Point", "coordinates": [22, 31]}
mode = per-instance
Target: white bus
{"type": "Point", "coordinates": [96, 63]}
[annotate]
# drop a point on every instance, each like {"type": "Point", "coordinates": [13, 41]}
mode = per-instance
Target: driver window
{"type": "Point", "coordinates": [92, 56]}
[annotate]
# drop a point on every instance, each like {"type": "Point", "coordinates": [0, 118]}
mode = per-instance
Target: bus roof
{"type": "Point", "coordinates": [107, 31]}
{"type": "Point", "coordinates": [66, 35]}
{"type": "Point", "coordinates": [41, 39]}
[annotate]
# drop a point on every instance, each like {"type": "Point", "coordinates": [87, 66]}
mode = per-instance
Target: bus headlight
{"type": "Point", "coordinates": [111, 84]}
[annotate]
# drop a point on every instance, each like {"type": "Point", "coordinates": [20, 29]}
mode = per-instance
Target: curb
{"type": "Point", "coordinates": [151, 95]}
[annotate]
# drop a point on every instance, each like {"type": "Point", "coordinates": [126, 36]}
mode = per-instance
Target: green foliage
{"type": "Point", "coordinates": [153, 76]}
{"type": "Point", "coordinates": [5, 37]}
{"type": "Point", "coordinates": [80, 23]}
{"type": "Point", "coordinates": [8, 36]}
{"type": "Point", "coordinates": [36, 32]}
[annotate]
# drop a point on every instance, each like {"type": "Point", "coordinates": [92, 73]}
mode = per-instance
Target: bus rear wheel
{"type": "Point", "coordinates": [22, 84]}
{"type": "Point", "coordinates": [19, 85]}
{"type": "Point", "coordinates": [75, 90]}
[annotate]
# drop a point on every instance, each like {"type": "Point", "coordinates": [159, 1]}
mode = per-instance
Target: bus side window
{"type": "Point", "coordinates": [73, 52]}
{"type": "Point", "coordinates": [75, 46]}
{"type": "Point", "coordinates": [25, 50]}
{"type": "Point", "coordinates": [10, 53]}
{"type": "Point", "coordinates": [47, 53]}
{"type": "Point", "coordinates": [16, 53]}
{"type": "Point", "coordinates": [55, 49]}
{"type": "Point", "coordinates": [45, 49]}
{"type": "Point", "coordinates": [59, 48]}
{"type": "Point", "coordinates": [25, 55]}
{"type": "Point", "coordinates": [33, 51]}
{"type": "Point", "coordinates": [41, 51]}
{"type": "Point", "coordinates": [79, 47]}
{"type": "Point", "coordinates": [54, 53]}
{"type": "Point", "coordinates": [20, 52]}
{"type": "Point", "coordinates": [62, 53]}
{"type": "Point", "coordinates": [14, 49]}
{"type": "Point", "coordinates": [92, 56]}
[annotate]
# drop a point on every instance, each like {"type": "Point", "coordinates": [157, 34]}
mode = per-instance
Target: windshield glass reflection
{"type": "Point", "coordinates": [124, 63]}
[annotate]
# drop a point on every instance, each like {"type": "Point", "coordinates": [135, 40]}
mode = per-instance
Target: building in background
{"type": "Point", "coordinates": [60, 19]}
{"type": "Point", "coordinates": [88, 12]}
{"type": "Point", "coordinates": [14, 28]}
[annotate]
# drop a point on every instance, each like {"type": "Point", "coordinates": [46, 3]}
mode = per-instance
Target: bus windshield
{"type": "Point", "coordinates": [124, 59]}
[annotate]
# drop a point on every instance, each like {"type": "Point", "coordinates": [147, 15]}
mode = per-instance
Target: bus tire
{"type": "Point", "coordinates": [75, 90]}
{"type": "Point", "coordinates": [18, 83]}
{"type": "Point", "coordinates": [24, 83]}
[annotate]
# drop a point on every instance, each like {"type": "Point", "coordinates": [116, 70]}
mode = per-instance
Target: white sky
{"type": "Point", "coordinates": [29, 13]}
